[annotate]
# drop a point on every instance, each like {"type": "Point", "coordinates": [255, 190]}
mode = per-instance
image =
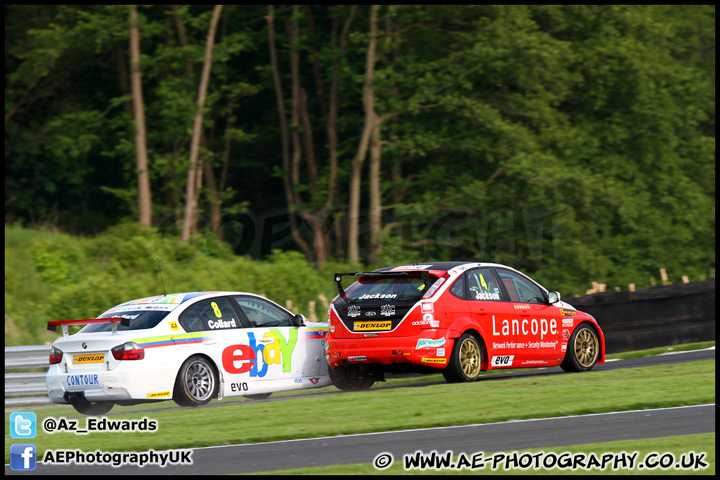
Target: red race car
{"type": "Point", "coordinates": [456, 317]}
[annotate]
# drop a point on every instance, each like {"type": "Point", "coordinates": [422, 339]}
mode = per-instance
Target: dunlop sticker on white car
{"type": "Point", "coordinates": [89, 358]}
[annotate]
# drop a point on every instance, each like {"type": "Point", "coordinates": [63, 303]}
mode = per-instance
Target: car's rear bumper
{"type": "Point", "coordinates": [111, 386]}
{"type": "Point", "coordinates": [424, 350]}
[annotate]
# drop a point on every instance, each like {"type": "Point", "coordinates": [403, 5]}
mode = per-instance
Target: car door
{"type": "Point", "coordinates": [285, 350]}
{"type": "Point", "coordinates": [536, 323]}
{"type": "Point", "coordinates": [217, 328]}
{"type": "Point", "coordinates": [490, 310]}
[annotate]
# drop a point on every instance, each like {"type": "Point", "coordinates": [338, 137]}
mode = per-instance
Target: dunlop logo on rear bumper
{"type": "Point", "coordinates": [91, 358]}
{"type": "Point", "coordinates": [378, 325]}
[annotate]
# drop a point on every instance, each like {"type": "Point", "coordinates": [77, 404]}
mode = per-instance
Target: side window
{"type": "Point", "coordinates": [482, 285]}
{"type": "Point", "coordinates": [217, 314]}
{"type": "Point", "coordinates": [458, 288]}
{"type": "Point", "coordinates": [263, 314]}
{"type": "Point", "coordinates": [519, 288]}
{"type": "Point", "coordinates": [190, 321]}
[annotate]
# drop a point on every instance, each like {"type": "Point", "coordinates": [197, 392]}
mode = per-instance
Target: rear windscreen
{"type": "Point", "coordinates": [139, 320]}
{"type": "Point", "coordinates": [405, 289]}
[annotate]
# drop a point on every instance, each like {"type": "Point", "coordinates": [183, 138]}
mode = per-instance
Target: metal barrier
{"type": "Point", "coordinates": [26, 388]}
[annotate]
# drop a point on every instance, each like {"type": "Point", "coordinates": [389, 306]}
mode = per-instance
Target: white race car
{"type": "Point", "coordinates": [189, 347]}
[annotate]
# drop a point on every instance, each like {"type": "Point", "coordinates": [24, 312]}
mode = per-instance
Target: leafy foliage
{"type": "Point", "coordinates": [575, 142]}
{"type": "Point", "coordinates": [51, 276]}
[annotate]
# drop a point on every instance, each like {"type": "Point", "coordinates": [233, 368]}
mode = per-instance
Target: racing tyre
{"type": "Point", "coordinates": [257, 396]}
{"type": "Point", "coordinates": [583, 350]}
{"type": "Point", "coordinates": [465, 360]}
{"type": "Point", "coordinates": [351, 378]}
{"type": "Point", "coordinates": [196, 383]}
{"type": "Point", "coordinates": [93, 408]}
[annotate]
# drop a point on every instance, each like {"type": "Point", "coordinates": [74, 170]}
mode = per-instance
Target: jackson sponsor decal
{"type": "Point", "coordinates": [487, 296]}
{"type": "Point", "coordinates": [376, 325]}
{"type": "Point", "coordinates": [374, 296]}
{"type": "Point", "coordinates": [429, 342]}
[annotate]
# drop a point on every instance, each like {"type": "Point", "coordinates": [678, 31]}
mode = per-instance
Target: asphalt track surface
{"type": "Point", "coordinates": [493, 437]}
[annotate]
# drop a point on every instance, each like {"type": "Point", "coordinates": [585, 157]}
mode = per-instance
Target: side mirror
{"type": "Point", "coordinates": [553, 297]}
{"type": "Point", "coordinates": [299, 320]}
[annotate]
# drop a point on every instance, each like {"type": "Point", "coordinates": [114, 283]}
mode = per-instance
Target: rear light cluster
{"type": "Point", "coordinates": [55, 356]}
{"type": "Point", "coordinates": [434, 288]}
{"type": "Point", "coordinates": [128, 351]}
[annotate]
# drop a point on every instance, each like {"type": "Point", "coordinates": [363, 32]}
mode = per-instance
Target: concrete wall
{"type": "Point", "coordinates": [655, 317]}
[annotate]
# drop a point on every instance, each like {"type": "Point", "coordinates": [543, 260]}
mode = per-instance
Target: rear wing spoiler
{"type": "Point", "coordinates": [341, 291]}
{"type": "Point", "coordinates": [53, 324]}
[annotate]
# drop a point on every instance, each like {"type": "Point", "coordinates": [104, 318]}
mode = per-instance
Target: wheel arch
{"type": "Point", "coordinates": [458, 330]}
{"type": "Point", "coordinates": [598, 332]}
{"type": "Point", "coordinates": [218, 372]}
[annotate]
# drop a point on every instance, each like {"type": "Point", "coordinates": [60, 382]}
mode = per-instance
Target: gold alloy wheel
{"type": "Point", "coordinates": [586, 347]}
{"type": "Point", "coordinates": [470, 358]}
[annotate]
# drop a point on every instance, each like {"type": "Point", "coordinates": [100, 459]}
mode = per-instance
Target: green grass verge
{"type": "Point", "coordinates": [380, 410]}
{"type": "Point", "coordinates": [676, 445]}
{"type": "Point", "coordinates": [660, 350]}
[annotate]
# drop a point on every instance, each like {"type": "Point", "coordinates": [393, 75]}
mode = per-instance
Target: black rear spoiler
{"type": "Point", "coordinates": [341, 291]}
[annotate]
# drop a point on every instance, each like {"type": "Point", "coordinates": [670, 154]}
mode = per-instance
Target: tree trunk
{"type": "Point", "coordinates": [293, 143]}
{"type": "Point", "coordinates": [214, 197]}
{"type": "Point", "coordinates": [190, 202]}
{"type": "Point", "coordinates": [287, 186]}
{"type": "Point", "coordinates": [141, 161]}
{"type": "Point", "coordinates": [375, 194]}
{"type": "Point", "coordinates": [368, 128]}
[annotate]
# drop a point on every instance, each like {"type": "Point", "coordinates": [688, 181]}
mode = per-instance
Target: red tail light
{"type": "Point", "coordinates": [128, 351]}
{"type": "Point", "coordinates": [55, 356]}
